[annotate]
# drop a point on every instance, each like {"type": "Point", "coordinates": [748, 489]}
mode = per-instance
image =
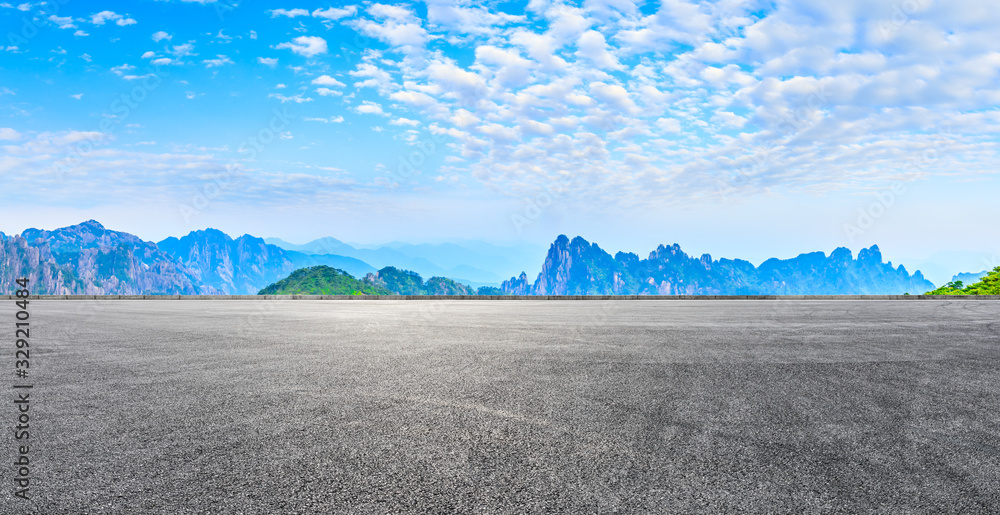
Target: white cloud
{"type": "Point", "coordinates": [369, 107]}
{"type": "Point", "coordinates": [414, 98]}
{"type": "Point", "coordinates": [80, 33]}
{"type": "Point", "coordinates": [161, 35]}
{"type": "Point", "coordinates": [105, 16]}
{"type": "Point", "coordinates": [326, 80]}
{"type": "Point", "coordinates": [220, 60]}
{"type": "Point", "coordinates": [615, 96]}
{"type": "Point", "coordinates": [77, 96]}
{"type": "Point", "coordinates": [334, 13]}
{"type": "Point", "coordinates": [670, 99]}
{"type": "Point", "coordinates": [593, 47]}
{"type": "Point", "coordinates": [458, 16]}
{"type": "Point", "coordinates": [122, 69]}
{"type": "Point", "coordinates": [184, 50]}
{"type": "Point", "coordinates": [308, 46]}
{"type": "Point", "coordinates": [148, 55]}
{"type": "Point", "coordinates": [9, 134]}
{"type": "Point", "coordinates": [298, 99]}
{"type": "Point", "coordinates": [289, 13]}
{"type": "Point", "coordinates": [397, 26]}
{"type": "Point", "coordinates": [327, 92]}
{"type": "Point", "coordinates": [374, 77]}
{"type": "Point", "coordinates": [404, 121]}
{"type": "Point", "coordinates": [334, 119]}
{"type": "Point", "coordinates": [390, 11]}
{"type": "Point", "coordinates": [64, 22]}
{"type": "Point", "coordinates": [671, 125]}
{"type": "Point", "coordinates": [163, 61]}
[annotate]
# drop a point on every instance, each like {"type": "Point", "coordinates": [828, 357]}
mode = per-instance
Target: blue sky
{"type": "Point", "coordinates": [741, 128]}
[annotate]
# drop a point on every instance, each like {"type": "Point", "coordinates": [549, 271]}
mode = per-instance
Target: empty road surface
{"type": "Point", "coordinates": [508, 407]}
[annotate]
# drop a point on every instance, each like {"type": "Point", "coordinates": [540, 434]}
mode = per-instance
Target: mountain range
{"type": "Point", "coordinates": [89, 259]}
{"type": "Point", "coordinates": [577, 267]}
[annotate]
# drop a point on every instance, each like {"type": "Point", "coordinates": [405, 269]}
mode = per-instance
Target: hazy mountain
{"type": "Point", "coordinates": [473, 262]}
{"type": "Point", "coordinates": [969, 278]}
{"type": "Point", "coordinates": [87, 259]}
{"type": "Point", "coordinates": [244, 265]}
{"type": "Point", "coordinates": [320, 246]}
{"type": "Point", "coordinates": [578, 267]}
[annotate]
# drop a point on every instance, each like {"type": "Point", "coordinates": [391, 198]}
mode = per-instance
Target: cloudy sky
{"type": "Point", "coordinates": [741, 128]}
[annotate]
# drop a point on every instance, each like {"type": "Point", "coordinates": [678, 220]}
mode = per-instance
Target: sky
{"type": "Point", "coordinates": [739, 128]}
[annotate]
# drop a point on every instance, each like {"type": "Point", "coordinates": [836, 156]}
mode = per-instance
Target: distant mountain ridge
{"type": "Point", "coordinates": [475, 263]}
{"type": "Point", "coordinates": [577, 267]}
{"type": "Point", "coordinates": [87, 259]}
{"type": "Point", "coordinates": [244, 265]}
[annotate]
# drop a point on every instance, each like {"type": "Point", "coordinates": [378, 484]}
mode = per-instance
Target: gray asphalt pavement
{"type": "Point", "coordinates": [510, 407]}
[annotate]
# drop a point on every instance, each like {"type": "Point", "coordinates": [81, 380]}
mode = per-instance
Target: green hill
{"type": "Point", "coordinates": [322, 280]}
{"type": "Point", "coordinates": [988, 285]}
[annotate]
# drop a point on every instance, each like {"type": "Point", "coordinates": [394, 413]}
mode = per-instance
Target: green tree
{"type": "Point", "coordinates": [988, 285]}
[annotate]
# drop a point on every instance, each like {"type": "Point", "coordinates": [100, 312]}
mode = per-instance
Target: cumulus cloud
{"type": "Point", "coordinates": [395, 25]}
{"type": "Point", "coordinates": [220, 60]}
{"type": "Point", "coordinates": [327, 92]}
{"type": "Point", "coordinates": [676, 98]}
{"type": "Point", "coordinates": [326, 80]}
{"type": "Point", "coordinates": [333, 119]}
{"type": "Point", "coordinates": [679, 98]}
{"type": "Point", "coordinates": [105, 16]}
{"type": "Point", "coordinates": [64, 22]}
{"type": "Point", "coordinates": [288, 13]}
{"type": "Point", "coordinates": [335, 13]}
{"type": "Point", "coordinates": [308, 46]}
{"type": "Point", "coordinates": [297, 99]}
{"type": "Point", "coordinates": [369, 107]}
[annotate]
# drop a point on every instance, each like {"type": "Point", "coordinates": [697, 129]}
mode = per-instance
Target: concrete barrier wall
{"type": "Point", "coordinates": [506, 297]}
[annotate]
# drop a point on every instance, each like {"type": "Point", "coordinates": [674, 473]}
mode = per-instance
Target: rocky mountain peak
{"type": "Point", "coordinates": [580, 268]}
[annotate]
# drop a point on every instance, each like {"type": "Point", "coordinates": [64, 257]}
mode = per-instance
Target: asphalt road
{"type": "Point", "coordinates": [510, 407]}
